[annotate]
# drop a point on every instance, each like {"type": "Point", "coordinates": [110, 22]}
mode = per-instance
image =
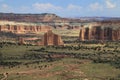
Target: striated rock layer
{"type": "Point", "coordinates": [99, 32]}
{"type": "Point", "coordinates": [19, 28]}
{"type": "Point", "coordinates": [94, 28]}
{"type": "Point", "coordinates": [50, 38]}
{"type": "Point", "coordinates": [45, 17]}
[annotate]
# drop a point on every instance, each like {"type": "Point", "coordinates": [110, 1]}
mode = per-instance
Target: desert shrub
{"type": "Point", "coordinates": [14, 63]}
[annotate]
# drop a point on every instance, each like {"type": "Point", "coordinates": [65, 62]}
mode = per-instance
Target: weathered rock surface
{"type": "Point", "coordinates": [20, 28]}
{"type": "Point", "coordinates": [50, 38]}
{"type": "Point", "coordinates": [21, 41]}
{"type": "Point", "coordinates": [97, 28]}
{"type": "Point", "coordinates": [100, 32]}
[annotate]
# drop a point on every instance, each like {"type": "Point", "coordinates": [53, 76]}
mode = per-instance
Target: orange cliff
{"type": "Point", "coordinates": [22, 28]}
{"type": "Point", "coordinates": [99, 32]}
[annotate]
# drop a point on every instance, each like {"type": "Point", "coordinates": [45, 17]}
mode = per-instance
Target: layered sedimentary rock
{"type": "Point", "coordinates": [100, 28]}
{"type": "Point", "coordinates": [82, 33]}
{"type": "Point", "coordinates": [44, 17]}
{"type": "Point", "coordinates": [23, 27]}
{"type": "Point", "coordinates": [50, 38]}
{"type": "Point", "coordinates": [99, 32]}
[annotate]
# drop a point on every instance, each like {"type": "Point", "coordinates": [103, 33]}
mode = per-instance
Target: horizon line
{"type": "Point", "coordinates": [62, 16]}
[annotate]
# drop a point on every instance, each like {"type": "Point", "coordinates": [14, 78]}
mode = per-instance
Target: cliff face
{"type": "Point", "coordinates": [99, 33]}
{"type": "Point", "coordinates": [50, 38]}
{"type": "Point", "coordinates": [108, 29]}
{"type": "Point", "coordinates": [45, 17]}
{"type": "Point", "coordinates": [23, 28]}
{"type": "Point", "coordinates": [49, 17]}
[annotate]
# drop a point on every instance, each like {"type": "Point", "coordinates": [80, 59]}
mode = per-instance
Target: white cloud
{"type": "Point", "coordinates": [51, 7]}
{"type": "Point", "coordinates": [110, 5]}
{"type": "Point", "coordinates": [96, 6]}
{"type": "Point", "coordinates": [45, 6]}
{"type": "Point", "coordinates": [5, 6]}
{"type": "Point", "coordinates": [74, 7]}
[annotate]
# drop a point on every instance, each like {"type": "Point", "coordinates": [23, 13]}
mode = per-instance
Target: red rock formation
{"type": "Point", "coordinates": [82, 33]}
{"type": "Point", "coordinates": [88, 34]}
{"type": "Point", "coordinates": [24, 28]}
{"type": "Point", "coordinates": [116, 35]}
{"type": "Point", "coordinates": [21, 41]}
{"type": "Point", "coordinates": [99, 33]}
{"type": "Point", "coordinates": [50, 38]}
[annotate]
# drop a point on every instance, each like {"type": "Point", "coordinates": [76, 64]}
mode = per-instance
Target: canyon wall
{"type": "Point", "coordinates": [100, 32]}
{"type": "Point", "coordinates": [45, 17]}
{"type": "Point", "coordinates": [23, 28]}
{"type": "Point", "coordinates": [90, 28]}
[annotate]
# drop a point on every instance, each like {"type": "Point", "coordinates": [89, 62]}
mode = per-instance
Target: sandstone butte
{"type": "Point", "coordinates": [50, 38]}
{"type": "Point", "coordinates": [100, 32]}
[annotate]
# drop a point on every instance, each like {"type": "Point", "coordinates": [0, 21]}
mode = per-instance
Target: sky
{"type": "Point", "coordinates": [63, 8]}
